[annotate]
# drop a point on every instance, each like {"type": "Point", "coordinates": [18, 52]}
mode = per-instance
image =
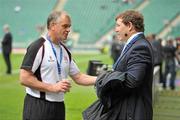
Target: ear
{"type": "Point", "coordinates": [131, 27]}
{"type": "Point", "coordinates": [52, 26]}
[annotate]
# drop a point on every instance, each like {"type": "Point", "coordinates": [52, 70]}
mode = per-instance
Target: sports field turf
{"type": "Point", "coordinates": [12, 93]}
{"type": "Point", "coordinates": [79, 98]}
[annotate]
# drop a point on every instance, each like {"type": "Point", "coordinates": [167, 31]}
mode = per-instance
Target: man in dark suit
{"type": "Point", "coordinates": [136, 63]}
{"type": "Point", "coordinates": [7, 47]}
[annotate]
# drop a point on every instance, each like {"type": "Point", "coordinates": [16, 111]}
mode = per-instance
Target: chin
{"type": "Point", "coordinates": [65, 39]}
{"type": "Point", "coordinates": [120, 39]}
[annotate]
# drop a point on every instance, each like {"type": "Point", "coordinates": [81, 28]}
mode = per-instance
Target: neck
{"type": "Point", "coordinates": [53, 38]}
{"type": "Point", "coordinates": [131, 34]}
{"type": "Point", "coordinates": [134, 32]}
{"type": "Point", "coordinates": [6, 31]}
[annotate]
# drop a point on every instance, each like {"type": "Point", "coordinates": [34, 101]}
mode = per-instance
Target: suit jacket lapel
{"type": "Point", "coordinates": [129, 46]}
{"type": "Point", "coordinates": [126, 49]}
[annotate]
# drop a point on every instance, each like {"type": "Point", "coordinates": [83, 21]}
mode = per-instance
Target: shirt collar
{"type": "Point", "coordinates": [128, 41]}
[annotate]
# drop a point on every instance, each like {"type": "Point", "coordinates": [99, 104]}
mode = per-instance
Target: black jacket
{"type": "Point", "coordinates": [106, 108]}
{"type": "Point", "coordinates": [107, 87]}
{"type": "Point", "coordinates": [7, 43]}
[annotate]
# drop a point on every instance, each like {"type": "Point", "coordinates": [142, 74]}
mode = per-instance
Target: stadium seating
{"type": "Point", "coordinates": [175, 31]}
{"type": "Point", "coordinates": [24, 16]}
{"type": "Point", "coordinates": [158, 13]}
{"type": "Point", "coordinates": [92, 19]}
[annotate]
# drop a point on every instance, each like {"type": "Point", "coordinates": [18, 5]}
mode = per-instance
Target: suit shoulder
{"type": "Point", "coordinates": [143, 42]}
{"type": "Point", "coordinates": [143, 45]}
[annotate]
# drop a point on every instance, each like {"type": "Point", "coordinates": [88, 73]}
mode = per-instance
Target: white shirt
{"type": "Point", "coordinates": [48, 69]}
{"type": "Point", "coordinates": [129, 40]}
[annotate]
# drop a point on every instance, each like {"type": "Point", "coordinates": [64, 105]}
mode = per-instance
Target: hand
{"type": "Point", "coordinates": [61, 86]}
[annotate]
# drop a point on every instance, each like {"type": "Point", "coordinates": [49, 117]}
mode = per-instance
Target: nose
{"type": "Point", "coordinates": [68, 29]}
{"type": "Point", "coordinates": [115, 29]}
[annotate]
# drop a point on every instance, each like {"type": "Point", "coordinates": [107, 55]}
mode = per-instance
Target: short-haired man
{"type": "Point", "coordinates": [45, 70]}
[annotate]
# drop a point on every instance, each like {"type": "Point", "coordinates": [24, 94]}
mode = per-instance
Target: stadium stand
{"type": "Point", "coordinates": [92, 19]}
{"type": "Point", "coordinates": [157, 14]}
{"type": "Point", "coordinates": [175, 32]}
{"type": "Point", "coordinates": [24, 18]}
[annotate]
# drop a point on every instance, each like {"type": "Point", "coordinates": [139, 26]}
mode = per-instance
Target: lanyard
{"type": "Point", "coordinates": [126, 48]}
{"type": "Point", "coordinates": [55, 54]}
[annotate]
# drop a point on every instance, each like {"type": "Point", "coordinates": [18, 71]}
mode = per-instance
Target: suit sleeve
{"type": "Point", "coordinates": [139, 61]}
{"type": "Point", "coordinates": [7, 38]}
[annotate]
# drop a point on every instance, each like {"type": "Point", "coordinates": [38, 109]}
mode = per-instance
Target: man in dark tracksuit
{"type": "Point", "coordinates": [7, 47]}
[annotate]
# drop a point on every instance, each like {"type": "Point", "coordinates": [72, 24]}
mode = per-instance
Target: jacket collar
{"type": "Point", "coordinates": [140, 36]}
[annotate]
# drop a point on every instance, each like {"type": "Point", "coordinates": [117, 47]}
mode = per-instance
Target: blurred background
{"type": "Point", "coordinates": [92, 20]}
{"type": "Point", "coordinates": [91, 42]}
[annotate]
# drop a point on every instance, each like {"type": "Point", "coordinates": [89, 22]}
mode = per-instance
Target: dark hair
{"type": "Point", "coordinates": [134, 17]}
{"type": "Point", "coordinates": [53, 17]}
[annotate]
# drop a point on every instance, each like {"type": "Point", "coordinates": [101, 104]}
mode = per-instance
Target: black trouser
{"type": "Point", "coordinates": [170, 67]}
{"type": "Point", "coordinates": [160, 72]}
{"type": "Point", "coordinates": [38, 109]}
{"type": "Point", "coordinates": [8, 62]}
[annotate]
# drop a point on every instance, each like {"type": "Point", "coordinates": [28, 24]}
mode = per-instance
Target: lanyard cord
{"type": "Point", "coordinates": [54, 51]}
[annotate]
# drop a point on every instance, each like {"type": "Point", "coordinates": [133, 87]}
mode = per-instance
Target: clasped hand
{"type": "Point", "coordinates": [62, 86]}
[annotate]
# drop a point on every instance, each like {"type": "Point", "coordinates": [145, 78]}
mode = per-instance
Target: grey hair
{"type": "Point", "coordinates": [53, 17]}
{"type": "Point", "coordinates": [6, 26]}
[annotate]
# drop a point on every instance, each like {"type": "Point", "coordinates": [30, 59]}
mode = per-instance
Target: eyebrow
{"type": "Point", "coordinates": [65, 25]}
